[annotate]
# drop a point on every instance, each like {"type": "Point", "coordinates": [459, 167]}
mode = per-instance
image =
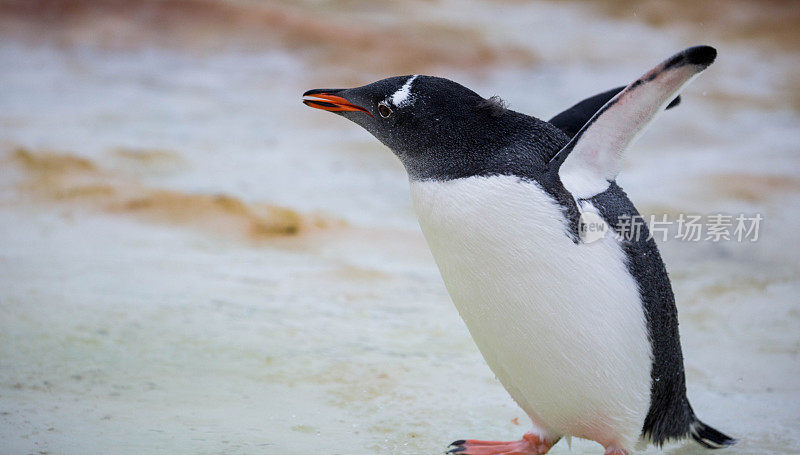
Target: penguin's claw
{"type": "Point", "coordinates": [530, 444]}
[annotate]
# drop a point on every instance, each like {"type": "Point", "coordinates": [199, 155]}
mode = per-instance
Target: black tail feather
{"type": "Point", "coordinates": [709, 437]}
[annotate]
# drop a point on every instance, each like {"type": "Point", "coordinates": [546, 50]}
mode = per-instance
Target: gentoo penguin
{"type": "Point", "coordinates": [583, 335]}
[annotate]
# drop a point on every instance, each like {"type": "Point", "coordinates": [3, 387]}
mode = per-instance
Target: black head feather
{"type": "Point", "coordinates": [495, 105]}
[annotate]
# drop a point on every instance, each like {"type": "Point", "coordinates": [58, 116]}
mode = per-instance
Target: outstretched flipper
{"type": "Point", "coordinates": [592, 158]}
{"type": "Point", "coordinates": [571, 120]}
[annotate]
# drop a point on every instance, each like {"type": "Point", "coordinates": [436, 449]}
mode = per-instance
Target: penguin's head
{"type": "Point", "coordinates": [430, 123]}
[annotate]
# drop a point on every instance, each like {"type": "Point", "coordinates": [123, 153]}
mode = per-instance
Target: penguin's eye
{"type": "Point", "coordinates": [384, 109]}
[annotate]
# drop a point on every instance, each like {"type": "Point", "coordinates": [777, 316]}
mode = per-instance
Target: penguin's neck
{"type": "Point", "coordinates": [513, 144]}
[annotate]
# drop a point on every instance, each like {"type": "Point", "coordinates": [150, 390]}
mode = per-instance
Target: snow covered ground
{"type": "Point", "coordinates": [191, 261]}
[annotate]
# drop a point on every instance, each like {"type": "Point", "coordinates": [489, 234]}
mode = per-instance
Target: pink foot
{"type": "Point", "coordinates": [615, 451]}
{"type": "Point", "coordinates": [530, 444]}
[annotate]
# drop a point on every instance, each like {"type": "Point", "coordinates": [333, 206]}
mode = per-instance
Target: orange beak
{"type": "Point", "coordinates": [329, 102]}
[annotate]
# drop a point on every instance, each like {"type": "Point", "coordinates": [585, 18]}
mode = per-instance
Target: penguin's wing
{"type": "Point", "coordinates": [572, 119]}
{"type": "Point", "coordinates": [593, 157]}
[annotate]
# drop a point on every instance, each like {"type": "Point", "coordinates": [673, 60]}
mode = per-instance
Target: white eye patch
{"type": "Point", "coordinates": [403, 95]}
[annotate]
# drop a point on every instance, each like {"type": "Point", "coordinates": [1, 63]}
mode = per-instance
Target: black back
{"type": "Point", "coordinates": [670, 415]}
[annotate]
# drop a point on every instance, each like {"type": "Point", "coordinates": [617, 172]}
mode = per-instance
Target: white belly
{"type": "Point", "coordinates": [561, 324]}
